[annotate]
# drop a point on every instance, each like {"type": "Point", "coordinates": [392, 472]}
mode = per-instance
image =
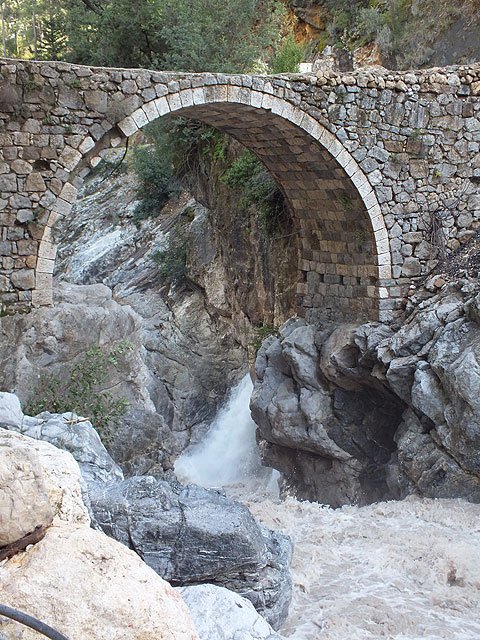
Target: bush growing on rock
{"type": "Point", "coordinates": [80, 390]}
{"type": "Point", "coordinates": [172, 259]}
{"type": "Point", "coordinates": [288, 57]}
{"type": "Point", "coordinates": [258, 188]}
{"type": "Point", "coordinates": [158, 183]}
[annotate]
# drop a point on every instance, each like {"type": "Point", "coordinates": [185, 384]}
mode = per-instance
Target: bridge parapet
{"type": "Point", "coordinates": [381, 169]}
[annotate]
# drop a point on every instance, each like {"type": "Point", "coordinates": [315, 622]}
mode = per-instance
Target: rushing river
{"type": "Point", "coordinates": [404, 570]}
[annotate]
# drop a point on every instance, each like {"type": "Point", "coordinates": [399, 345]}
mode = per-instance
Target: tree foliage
{"type": "Point", "coordinates": [186, 35]}
{"type": "Point", "coordinates": [33, 28]}
{"type": "Point", "coordinates": [288, 56]}
{"type": "Point", "coordinates": [80, 390]}
{"type": "Point", "coordinates": [219, 35]}
{"type": "Point", "coordinates": [116, 33]}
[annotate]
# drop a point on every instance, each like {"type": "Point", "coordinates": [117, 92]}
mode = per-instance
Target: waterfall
{"type": "Point", "coordinates": [228, 456]}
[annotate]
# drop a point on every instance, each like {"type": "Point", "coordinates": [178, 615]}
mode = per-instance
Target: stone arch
{"type": "Point", "coordinates": [344, 262]}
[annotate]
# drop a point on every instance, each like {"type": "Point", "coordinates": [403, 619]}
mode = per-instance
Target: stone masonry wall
{"type": "Point", "coordinates": [381, 170]}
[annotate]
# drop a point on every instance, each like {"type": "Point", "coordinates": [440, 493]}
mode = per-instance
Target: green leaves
{"type": "Point", "coordinates": [219, 35]}
{"type": "Point", "coordinates": [153, 166]}
{"type": "Point", "coordinates": [172, 259]}
{"type": "Point", "coordinates": [288, 56]}
{"type": "Point", "coordinates": [258, 189]}
{"type": "Point", "coordinates": [117, 34]}
{"type": "Point", "coordinates": [180, 35]}
{"type": "Point", "coordinates": [79, 390]}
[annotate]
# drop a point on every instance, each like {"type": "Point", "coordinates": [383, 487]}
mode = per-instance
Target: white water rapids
{"type": "Point", "coordinates": [228, 456]}
{"type": "Point", "coordinates": [406, 570]}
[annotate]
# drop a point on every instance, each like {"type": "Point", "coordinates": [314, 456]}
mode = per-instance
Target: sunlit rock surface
{"type": "Point", "coordinates": [66, 431]}
{"type": "Point", "coordinates": [219, 614]}
{"type": "Point", "coordinates": [77, 580]}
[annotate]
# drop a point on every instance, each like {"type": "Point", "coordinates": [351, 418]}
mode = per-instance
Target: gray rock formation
{"type": "Point", "coordinates": [361, 413]}
{"type": "Point", "coordinates": [91, 586]}
{"type": "Point", "coordinates": [439, 438]}
{"type": "Point", "coordinates": [329, 430]}
{"type": "Point", "coordinates": [188, 535]}
{"type": "Point", "coordinates": [77, 436]}
{"type": "Point", "coordinates": [11, 414]}
{"type": "Point", "coordinates": [191, 535]}
{"type": "Point", "coordinates": [219, 614]}
{"type": "Point", "coordinates": [173, 373]}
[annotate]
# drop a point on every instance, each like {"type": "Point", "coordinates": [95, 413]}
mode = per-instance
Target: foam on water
{"type": "Point", "coordinates": [405, 570]}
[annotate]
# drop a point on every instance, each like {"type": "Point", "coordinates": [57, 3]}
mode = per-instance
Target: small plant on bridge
{"type": "Point", "coordinates": [288, 56]}
{"type": "Point", "coordinates": [78, 390]}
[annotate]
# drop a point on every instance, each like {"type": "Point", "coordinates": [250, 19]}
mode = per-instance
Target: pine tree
{"type": "Point", "coordinates": [52, 40]}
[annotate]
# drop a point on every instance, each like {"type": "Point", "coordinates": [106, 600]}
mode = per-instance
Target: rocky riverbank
{"type": "Point", "coordinates": [360, 413]}
{"type": "Point", "coordinates": [187, 535]}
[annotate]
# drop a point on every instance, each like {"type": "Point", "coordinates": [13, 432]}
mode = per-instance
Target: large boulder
{"type": "Point", "coordinates": [87, 585]}
{"type": "Point", "coordinates": [220, 614]}
{"type": "Point", "coordinates": [11, 414]}
{"type": "Point", "coordinates": [323, 421]}
{"type": "Point", "coordinates": [39, 486]}
{"type": "Point", "coordinates": [90, 586]}
{"type": "Point", "coordinates": [191, 535]}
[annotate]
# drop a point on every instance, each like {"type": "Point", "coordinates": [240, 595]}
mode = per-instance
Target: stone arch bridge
{"type": "Point", "coordinates": [381, 169]}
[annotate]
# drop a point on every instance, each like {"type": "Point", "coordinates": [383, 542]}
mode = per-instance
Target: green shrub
{"type": "Point", "coordinates": [172, 260]}
{"type": "Point", "coordinates": [158, 183]}
{"type": "Point", "coordinates": [288, 56]}
{"type": "Point", "coordinates": [261, 333]}
{"type": "Point", "coordinates": [78, 390]}
{"type": "Point", "coordinates": [368, 25]}
{"type": "Point", "coordinates": [260, 190]}
{"type": "Point", "coordinates": [264, 193]}
{"type": "Point", "coordinates": [243, 169]}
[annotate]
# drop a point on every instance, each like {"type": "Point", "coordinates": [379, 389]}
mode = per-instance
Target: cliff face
{"type": "Point", "coordinates": [259, 265]}
{"type": "Point", "coordinates": [409, 34]}
{"type": "Point", "coordinates": [187, 339]}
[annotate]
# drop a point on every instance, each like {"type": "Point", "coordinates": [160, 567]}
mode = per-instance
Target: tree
{"type": "Point", "coordinates": [187, 35]}
{"type": "Point", "coordinates": [52, 41]}
{"type": "Point", "coordinates": [4, 28]}
{"type": "Point", "coordinates": [219, 35]}
{"type": "Point", "coordinates": [116, 34]}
